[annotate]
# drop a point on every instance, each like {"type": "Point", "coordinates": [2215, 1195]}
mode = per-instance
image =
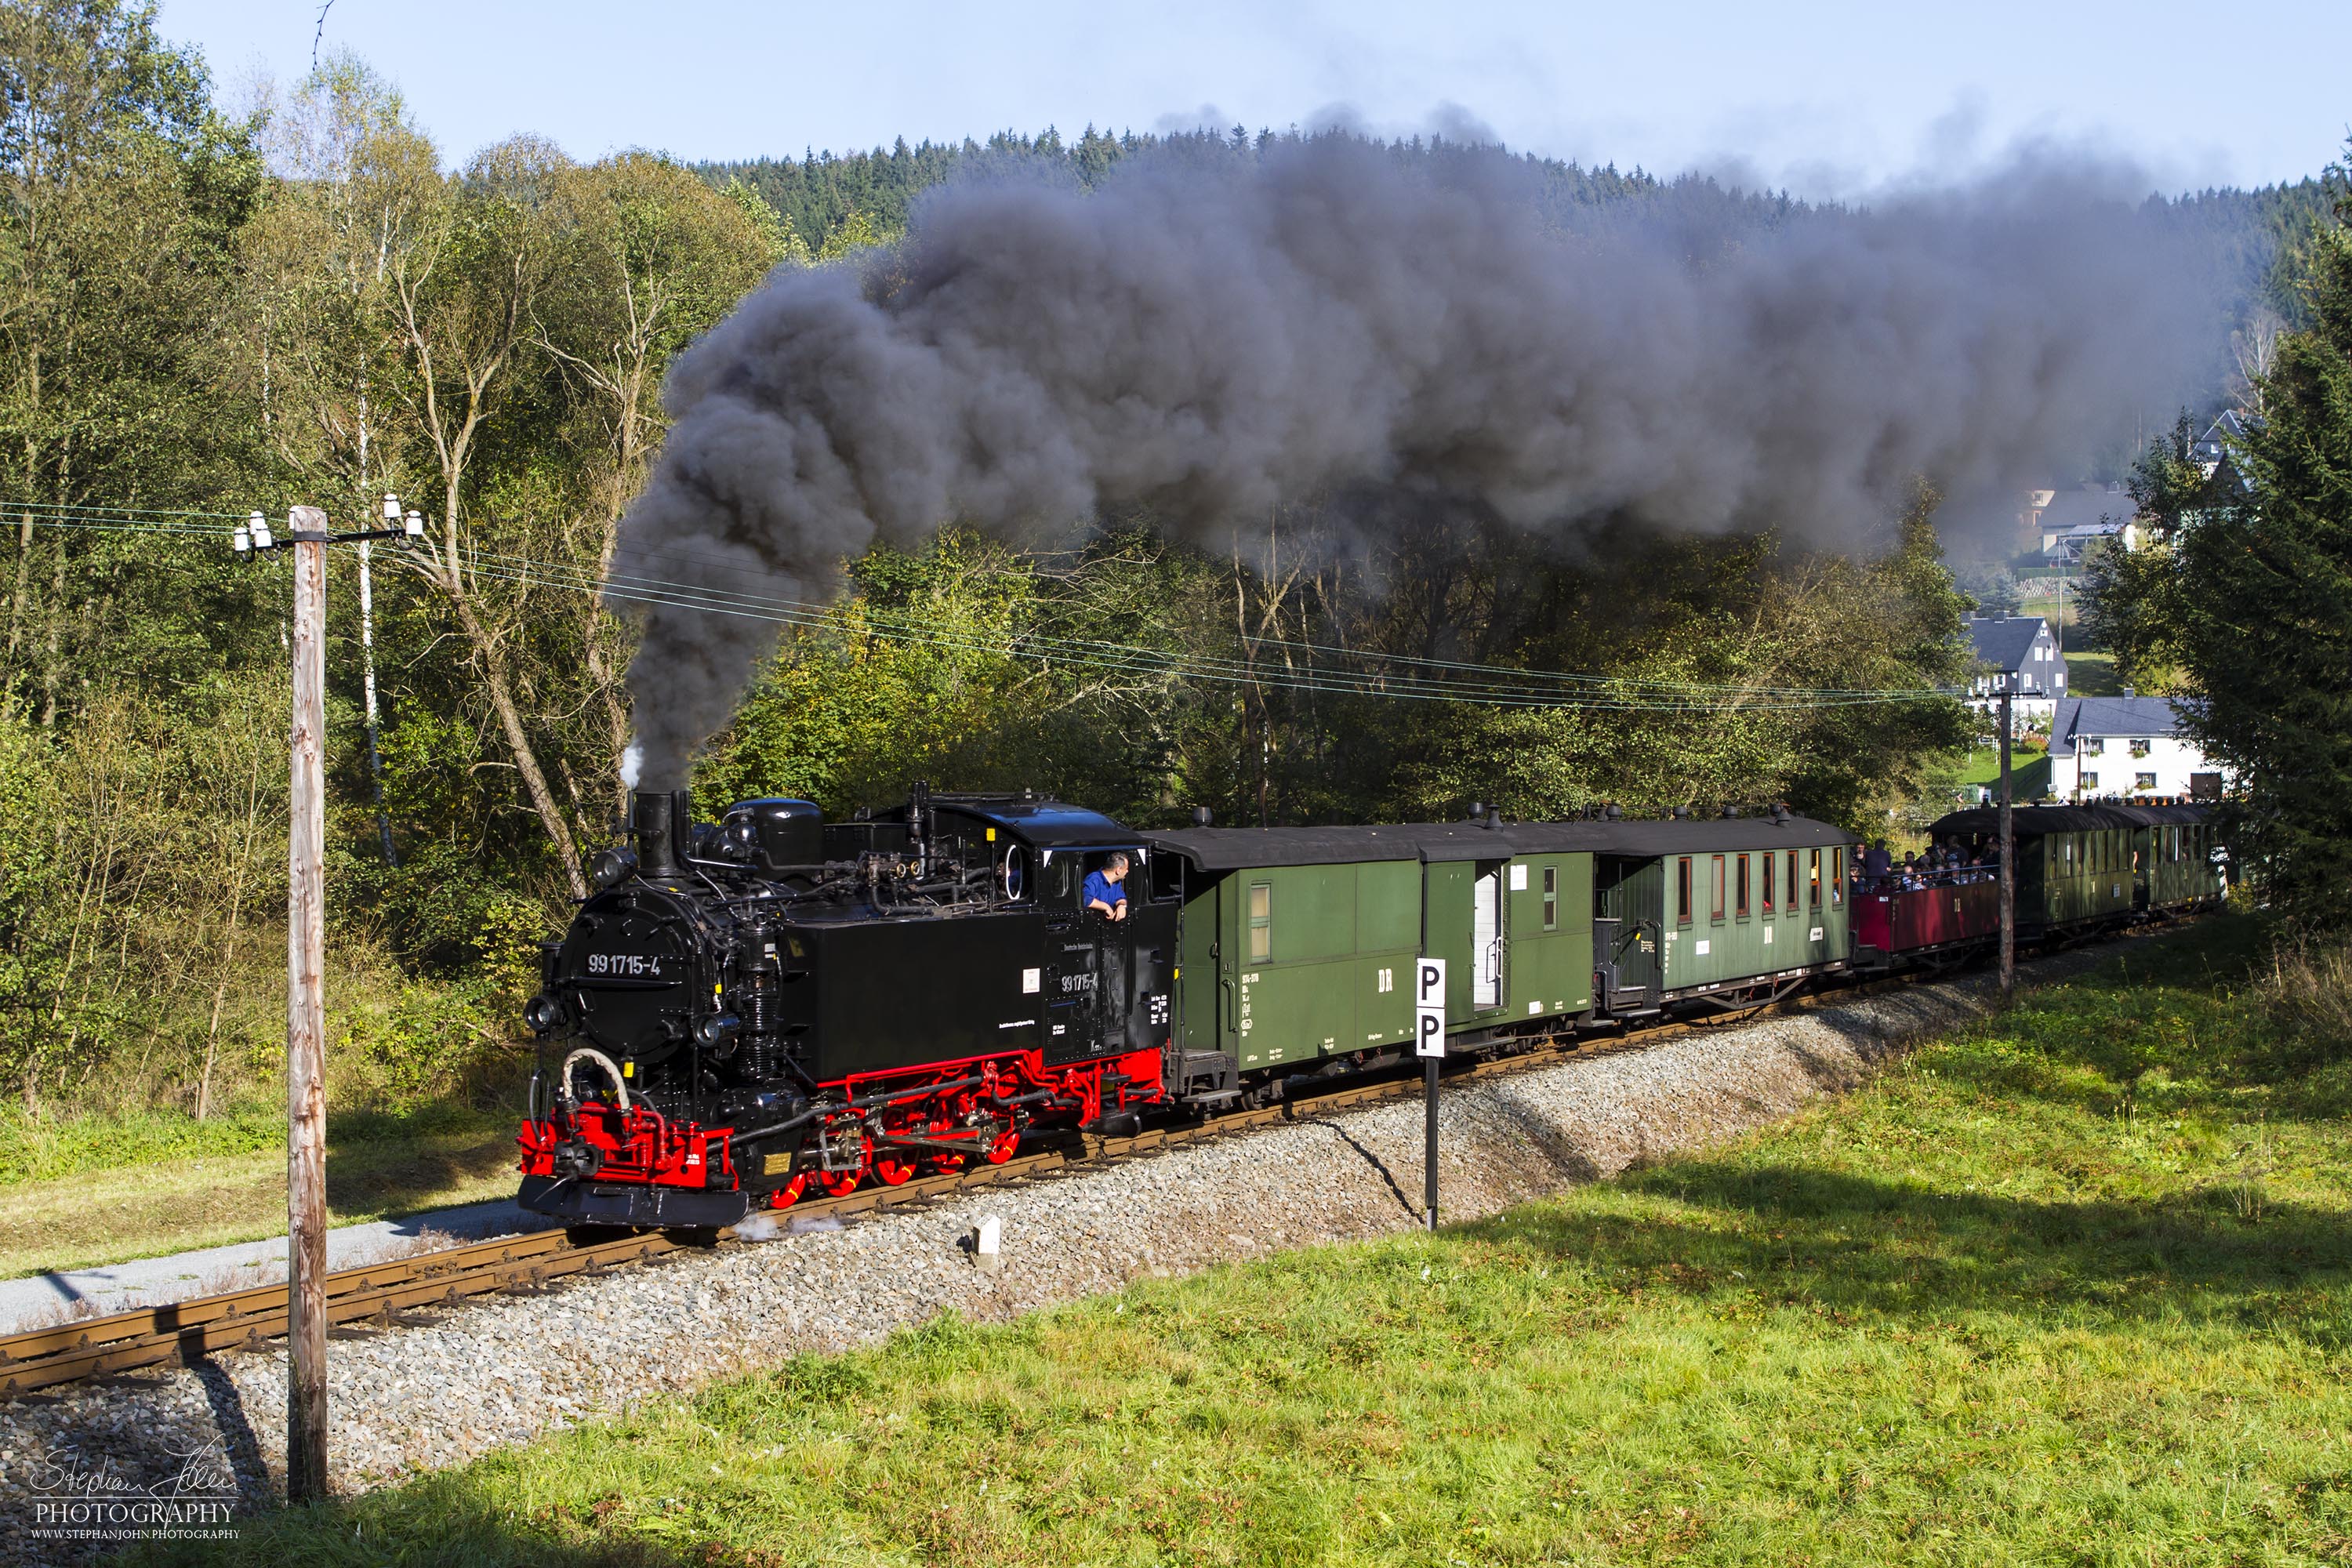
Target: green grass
{"type": "Point", "coordinates": [2092, 675]}
{"type": "Point", "coordinates": [2073, 1286]}
{"type": "Point", "coordinates": [99, 1189]}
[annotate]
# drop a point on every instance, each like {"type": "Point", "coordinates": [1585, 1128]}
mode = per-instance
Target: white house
{"type": "Point", "coordinates": [2064, 523]}
{"type": "Point", "coordinates": [2023, 648]}
{"type": "Point", "coordinates": [2123, 748]}
{"type": "Point", "coordinates": [2072, 523]}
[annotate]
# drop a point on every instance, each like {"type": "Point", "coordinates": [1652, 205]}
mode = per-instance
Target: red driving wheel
{"type": "Point", "coordinates": [892, 1167]}
{"type": "Point", "coordinates": [1003, 1147]}
{"type": "Point", "coordinates": [788, 1194]}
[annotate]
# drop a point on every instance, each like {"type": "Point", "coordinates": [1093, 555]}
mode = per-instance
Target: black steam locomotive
{"type": "Point", "coordinates": [744, 1009]}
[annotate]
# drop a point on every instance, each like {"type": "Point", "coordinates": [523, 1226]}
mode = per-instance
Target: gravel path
{"type": "Point", "coordinates": [510, 1368]}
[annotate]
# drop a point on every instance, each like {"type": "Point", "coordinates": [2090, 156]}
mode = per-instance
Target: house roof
{"type": "Point", "coordinates": [2110, 716]}
{"type": "Point", "coordinates": [2005, 641]}
{"type": "Point", "coordinates": [1232, 848]}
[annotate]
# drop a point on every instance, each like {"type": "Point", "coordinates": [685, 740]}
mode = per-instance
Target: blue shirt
{"type": "Point", "coordinates": [1098, 885]}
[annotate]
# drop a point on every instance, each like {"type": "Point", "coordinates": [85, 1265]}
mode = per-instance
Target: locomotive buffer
{"type": "Point", "coordinates": [1429, 1043]}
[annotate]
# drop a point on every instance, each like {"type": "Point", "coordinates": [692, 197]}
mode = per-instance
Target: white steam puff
{"type": "Point", "coordinates": [632, 763]}
{"type": "Point", "coordinates": [1330, 324]}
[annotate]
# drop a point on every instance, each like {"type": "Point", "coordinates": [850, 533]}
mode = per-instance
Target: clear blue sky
{"type": "Point", "coordinates": [1828, 98]}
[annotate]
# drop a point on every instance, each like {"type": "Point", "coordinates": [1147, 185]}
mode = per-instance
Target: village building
{"type": "Point", "coordinates": [2022, 652]}
{"type": "Point", "coordinates": [2127, 748]}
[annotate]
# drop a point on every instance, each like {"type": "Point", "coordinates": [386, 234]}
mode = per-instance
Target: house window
{"type": "Point", "coordinates": [1816, 893]}
{"type": "Point", "coordinates": [1743, 886]}
{"type": "Point", "coordinates": [2090, 781]}
{"type": "Point", "coordinates": [2143, 780]}
{"type": "Point", "coordinates": [1718, 887]}
{"type": "Point", "coordinates": [1261, 922]}
{"type": "Point", "coordinates": [2140, 748]}
{"type": "Point", "coordinates": [1551, 898]}
{"type": "Point", "coordinates": [2093, 747]}
{"type": "Point", "coordinates": [1767, 883]}
{"type": "Point", "coordinates": [1682, 891]}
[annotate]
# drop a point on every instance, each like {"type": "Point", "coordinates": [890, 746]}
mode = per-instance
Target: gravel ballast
{"type": "Point", "coordinates": [507, 1369]}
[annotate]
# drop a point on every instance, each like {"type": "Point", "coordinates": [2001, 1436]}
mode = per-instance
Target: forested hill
{"type": "Point", "coordinates": [824, 197]}
{"type": "Point", "coordinates": [820, 192]}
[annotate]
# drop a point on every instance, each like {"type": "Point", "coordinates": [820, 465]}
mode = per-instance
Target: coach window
{"type": "Point", "coordinates": [1743, 885]}
{"type": "Point", "coordinates": [1814, 896]}
{"type": "Point", "coordinates": [1791, 883]}
{"type": "Point", "coordinates": [1837, 874]}
{"type": "Point", "coordinates": [1766, 859]}
{"type": "Point", "coordinates": [1682, 891]}
{"type": "Point", "coordinates": [1551, 898]}
{"type": "Point", "coordinates": [1261, 922]}
{"type": "Point", "coordinates": [1718, 888]}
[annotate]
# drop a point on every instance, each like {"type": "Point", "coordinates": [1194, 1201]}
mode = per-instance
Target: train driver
{"type": "Point", "coordinates": [1102, 890]}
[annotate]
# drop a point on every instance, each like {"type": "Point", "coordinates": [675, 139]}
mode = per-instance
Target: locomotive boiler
{"type": "Point", "coordinates": [743, 1010]}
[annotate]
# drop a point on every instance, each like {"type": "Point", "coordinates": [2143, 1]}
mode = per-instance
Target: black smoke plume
{"type": "Point", "coordinates": [1208, 342]}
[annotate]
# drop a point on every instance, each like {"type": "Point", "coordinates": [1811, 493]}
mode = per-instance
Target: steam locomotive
{"type": "Point", "coordinates": [746, 1010]}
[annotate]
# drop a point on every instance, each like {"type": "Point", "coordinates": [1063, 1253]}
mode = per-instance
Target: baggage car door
{"type": "Point", "coordinates": [1486, 937]}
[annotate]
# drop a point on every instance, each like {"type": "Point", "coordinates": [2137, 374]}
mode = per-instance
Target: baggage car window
{"type": "Point", "coordinates": [1743, 886]}
{"type": "Point", "coordinates": [1551, 898]}
{"type": "Point", "coordinates": [1261, 922]}
{"type": "Point", "coordinates": [1718, 888]}
{"type": "Point", "coordinates": [1682, 891]}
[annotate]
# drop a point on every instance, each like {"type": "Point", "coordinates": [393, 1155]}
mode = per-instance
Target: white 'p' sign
{"type": "Point", "coordinates": [1428, 1007]}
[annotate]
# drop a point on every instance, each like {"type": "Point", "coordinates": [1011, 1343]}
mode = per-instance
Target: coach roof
{"type": "Point", "coordinates": [2033, 821]}
{"type": "Point", "coordinates": [1234, 848]}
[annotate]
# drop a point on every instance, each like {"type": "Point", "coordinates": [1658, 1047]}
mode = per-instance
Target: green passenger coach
{"type": "Point", "coordinates": [1295, 945]}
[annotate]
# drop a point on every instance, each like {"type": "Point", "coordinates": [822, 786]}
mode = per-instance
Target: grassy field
{"type": "Point", "coordinates": [101, 1189]}
{"type": "Point", "coordinates": [2075, 1286]}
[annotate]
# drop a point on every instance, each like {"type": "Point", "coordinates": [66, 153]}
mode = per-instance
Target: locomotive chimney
{"type": "Point", "coordinates": [663, 821]}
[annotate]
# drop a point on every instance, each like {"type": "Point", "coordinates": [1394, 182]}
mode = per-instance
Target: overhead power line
{"type": "Point", "coordinates": [1295, 667]}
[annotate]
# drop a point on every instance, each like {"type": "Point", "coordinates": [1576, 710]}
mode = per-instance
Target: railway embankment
{"type": "Point", "coordinates": [511, 1368]}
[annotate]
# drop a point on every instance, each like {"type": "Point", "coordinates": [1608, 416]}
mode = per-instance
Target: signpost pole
{"type": "Point", "coordinates": [1429, 1157]}
{"type": "Point", "coordinates": [1429, 1043]}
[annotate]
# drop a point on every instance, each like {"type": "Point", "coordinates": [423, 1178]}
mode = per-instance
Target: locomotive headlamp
{"type": "Point", "coordinates": [543, 1013]}
{"type": "Point", "coordinates": [718, 1030]}
{"type": "Point", "coordinates": [611, 868]}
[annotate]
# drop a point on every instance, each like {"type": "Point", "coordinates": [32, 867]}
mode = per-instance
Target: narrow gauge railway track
{"type": "Point", "coordinates": [378, 1295]}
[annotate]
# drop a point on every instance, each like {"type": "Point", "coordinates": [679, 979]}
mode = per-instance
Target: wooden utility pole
{"type": "Point", "coordinates": [306, 1089]}
{"type": "Point", "coordinates": [2008, 858]}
